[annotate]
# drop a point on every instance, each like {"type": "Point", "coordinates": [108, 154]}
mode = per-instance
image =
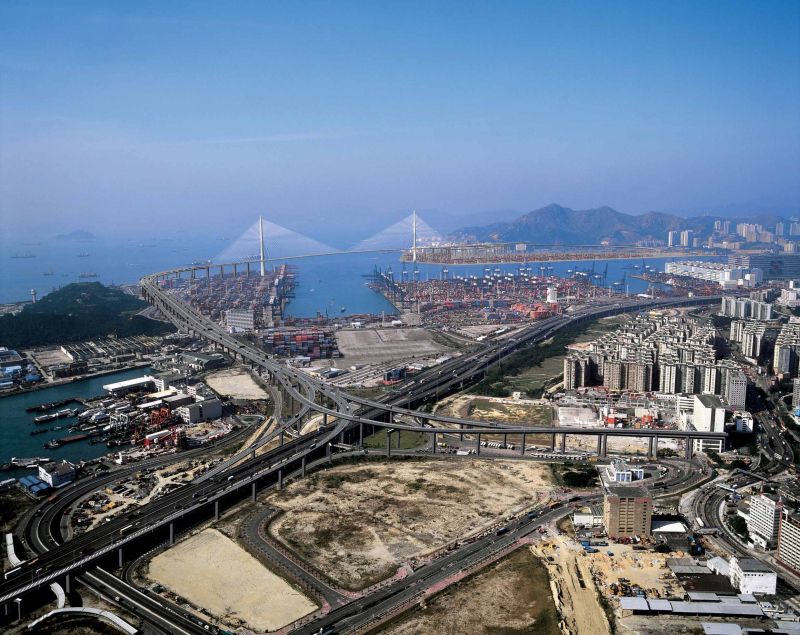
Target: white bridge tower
{"type": "Point", "coordinates": [261, 242]}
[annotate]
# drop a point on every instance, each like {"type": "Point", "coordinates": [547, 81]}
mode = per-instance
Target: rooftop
{"type": "Point", "coordinates": [628, 492]}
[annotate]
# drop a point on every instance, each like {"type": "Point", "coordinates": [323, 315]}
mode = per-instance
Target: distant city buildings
{"type": "Point", "coordinates": [774, 266]}
{"type": "Point", "coordinates": [240, 320]}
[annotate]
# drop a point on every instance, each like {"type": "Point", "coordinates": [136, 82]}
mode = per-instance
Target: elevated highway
{"type": "Point", "coordinates": [343, 416]}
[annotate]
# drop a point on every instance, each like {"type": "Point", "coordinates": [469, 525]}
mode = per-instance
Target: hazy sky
{"type": "Point", "coordinates": [337, 118]}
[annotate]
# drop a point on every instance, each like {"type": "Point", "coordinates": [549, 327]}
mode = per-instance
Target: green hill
{"type": "Point", "coordinates": [81, 311]}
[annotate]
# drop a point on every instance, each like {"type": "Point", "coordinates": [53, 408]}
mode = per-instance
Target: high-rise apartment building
{"type": "Point", "coordinates": [789, 541]}
{"type": "Point", "coordinates": [764, 520]}
{"type": "Point", "coordinates": [627, 511]}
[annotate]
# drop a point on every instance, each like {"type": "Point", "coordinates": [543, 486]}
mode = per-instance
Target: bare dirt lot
{"type": "Point", "coordinates": [512, 596]}
{"type": "Point", "coordinates": [373, 346]}
{"type": "Point", "coordinates": [236, 383]}
{"type": "Point", "coordinates": [572, 587]}
{"type": "Point", "coordinates": [359, 524]}
{"type": "Point", "coordinates": [212, 571]}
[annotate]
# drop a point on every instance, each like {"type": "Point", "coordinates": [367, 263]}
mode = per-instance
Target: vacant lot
{"type": "Point", "coordinates": [212, 571]}
{"type": "Point", "coordinates": [373, 346]}
{"type": "Point", "coordinates": [512, 596]}
{"type": "Point", "coordinates": [359, 524]}
{"type": "Point", "coordinates": [236, 383]}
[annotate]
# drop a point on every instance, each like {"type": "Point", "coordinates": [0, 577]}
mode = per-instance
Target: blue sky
{"type": "Point", "coordinates": [339, 118]}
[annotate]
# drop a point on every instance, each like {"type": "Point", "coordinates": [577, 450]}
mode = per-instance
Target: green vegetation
{"type": "Point", "coordinates": [531, 370]}
{"type": "Point", "coordinates": [664, 453]}
{"type": "Point", "coordinates": [408, 440]}
{"type": "Point", "coordinates": [81, 311]}
{"type": "Point", "coordinates": [573, 475]}
{"type": "Point", "coordinates": [739, 526]}
{"type": "Point", "coordinates": [715, 457]}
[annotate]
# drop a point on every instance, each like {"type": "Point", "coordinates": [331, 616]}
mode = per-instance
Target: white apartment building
{"type": "Point", "coordinates": [736, 389]}
{"type": "Point", "coordinates": [764, 520]}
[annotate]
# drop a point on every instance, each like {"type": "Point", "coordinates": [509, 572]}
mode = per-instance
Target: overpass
{"type": "Point", "coordinates": [343, 416]}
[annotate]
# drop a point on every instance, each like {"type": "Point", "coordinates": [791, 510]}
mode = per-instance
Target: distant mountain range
{"type": "Point", "coordinates": [555, 224]}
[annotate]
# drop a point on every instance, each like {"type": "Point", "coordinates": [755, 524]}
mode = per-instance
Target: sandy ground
{"type": "Point", "coordinates": [513, 596]}
{"type": "Point", "coordinates": [236, 383]}
{"type": "Point", "coordinates": [359, 524]}
{"type": "Point", "coordinates": [572, 587]}
{"type": "Point", "coordinates": [643, 568]}
{"type": "Point", "coordinates": [212, 571]}
{"type": "Point", "coordinates": [373, 346]}
{"type": "Point", "coordinates": [51, 356]}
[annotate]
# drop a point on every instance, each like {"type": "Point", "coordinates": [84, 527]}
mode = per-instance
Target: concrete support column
{"type": "Point", "coordinates": [563, 443]}
{"type": "Point", "coordinates": [18, 602]}
{"type": "Point", "coordinates": [689, 443]}
{"type": "Point", "coordinates": [281, 441]}
{"type": "Point", "coordinates": [553, 442]}
{"type": "Point", "coordinates": [253, 491]}
{"type": "Point", "coordinates": [655, 447]}
{"type": "Point", "coordinates": [478, 443]}
{"type": "Point", "coordinates": [172, 532]}
{"type": "Point", "coordinates": [360, 435]}
{"type": "Point", "coordinates": [388, 443]}
{"type": "Point", "coordinates": [280, 479]}
{"type": "Point", "coordinates": [120, 558]}
{"type": "Point", "coordinates": [604, 446]}
{"type": "Point", "coordinates": [522, 445]}
{"type": "Point", "coordinates": [461, 434]}
{"type": "Point", "coordinates": [391, 416]}
{"type": "Point", "coordinates": [599, 445]}
{"type": "Point", "coordinates": [253, 454]}
{"type": "Point", "coordinates": [328, 453]}
{"type": "Point", "coordinates": [68, 583]}
{"type": "Point", "coordinates": [216, 509]}
{"type": "Point", "coordinates": [324, 418]}
{"type": "Point", "coordinates": [650, 447]}
{"type": "Point", "coordinates": [433, 445]}
{"type": "Point", "coordinates": [303, 466]}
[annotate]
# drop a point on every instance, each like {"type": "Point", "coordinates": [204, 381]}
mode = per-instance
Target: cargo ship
{"type": "Point", "coordinates": [49, 406]}
{"type": "Point", "coordinates": [52, 444]}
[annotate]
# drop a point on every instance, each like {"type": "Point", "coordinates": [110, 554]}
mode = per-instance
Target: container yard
{"type": "Point", "coordinates": [265, 296]}
{"type": "Point", "coordinates": [493, 297]}
{"type": "Point", "coordinates": [310, 343]}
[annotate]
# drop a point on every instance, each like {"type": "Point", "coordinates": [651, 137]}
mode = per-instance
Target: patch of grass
{"type": "Point", "coordinates": [408, 440]}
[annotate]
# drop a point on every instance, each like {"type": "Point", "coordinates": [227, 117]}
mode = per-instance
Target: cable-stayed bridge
{"type": "Point", "coordinates": [419, 242]}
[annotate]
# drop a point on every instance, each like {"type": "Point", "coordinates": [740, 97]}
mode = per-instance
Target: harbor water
{"type": "Point", "coordinates": [16, 424]}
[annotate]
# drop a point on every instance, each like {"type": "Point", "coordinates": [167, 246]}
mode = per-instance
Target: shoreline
{"type": "Point", "coordinates": [71, 380]}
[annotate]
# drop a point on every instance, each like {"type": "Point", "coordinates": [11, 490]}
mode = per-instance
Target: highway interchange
{"type": "Point", "coordinates": [245, 473]}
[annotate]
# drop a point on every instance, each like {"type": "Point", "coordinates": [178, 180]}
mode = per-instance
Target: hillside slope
{"type": "Point", "coordinates": [79, 311]}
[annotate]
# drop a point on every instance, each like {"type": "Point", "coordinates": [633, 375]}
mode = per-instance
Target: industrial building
{"type": "Point", "coordinates": [240, 320]}
{"type": "Point", "coordinates": [774, 266]}
{"type": "Point", "coordinates": [752, 576]}
{"type": "Point", "coordinates": [726, 276]}
{"type": "Point", "coordinates": [57, 474]}
{"type": "Point", "coordinates": [627, 512]}
{"type": "Point", "coordinates": [620, 472]}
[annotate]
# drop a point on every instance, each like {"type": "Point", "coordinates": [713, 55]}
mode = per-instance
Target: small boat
{"type": "Point", "coordinates": [87, 274]}
{"type": "Point", "coordinates": [343, 309]}
{"type": "Point", "coordinates": [83, 254]}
